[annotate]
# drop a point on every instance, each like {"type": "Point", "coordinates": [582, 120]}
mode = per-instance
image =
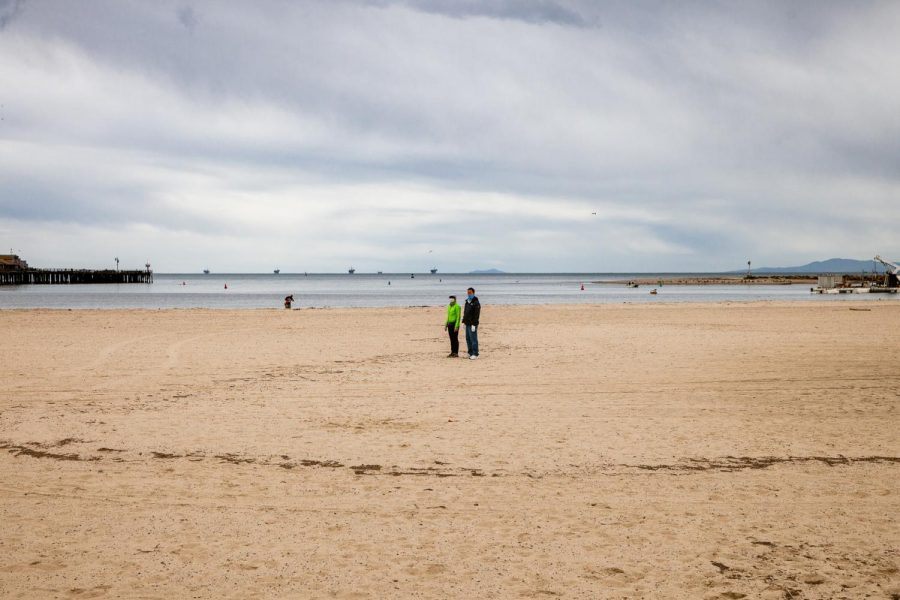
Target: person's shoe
{"type": "Point", "coordinates": [454, 355]}
{"type": "Point", "coordinates": [473, 357]}
{"type": "Point", "coordinates": [451, 355]}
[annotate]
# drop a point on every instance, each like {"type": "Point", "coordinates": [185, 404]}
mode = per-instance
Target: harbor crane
{"type": "Point", "coordinates": [892, 272]}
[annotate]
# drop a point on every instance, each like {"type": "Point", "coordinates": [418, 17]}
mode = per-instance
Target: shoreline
{"type": "Point", "coordinates": [813, 300]}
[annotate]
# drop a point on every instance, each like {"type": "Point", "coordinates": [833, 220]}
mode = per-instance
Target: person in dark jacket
{"type": "Point", "coordinates": [471, 316]}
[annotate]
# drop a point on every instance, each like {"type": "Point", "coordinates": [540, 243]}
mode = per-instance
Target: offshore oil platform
{"type": "Point", "coordinates": [15, 271]}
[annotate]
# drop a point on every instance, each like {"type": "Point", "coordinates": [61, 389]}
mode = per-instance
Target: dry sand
{"type": "Point", "coordinates": [664, 451]}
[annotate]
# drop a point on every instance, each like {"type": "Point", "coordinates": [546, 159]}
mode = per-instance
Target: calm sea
{"type": "Point", "coordinates": [269, 290]}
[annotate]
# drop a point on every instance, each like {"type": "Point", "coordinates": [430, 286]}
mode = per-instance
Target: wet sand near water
{"type": "Point", "coordinates": [745, 450]}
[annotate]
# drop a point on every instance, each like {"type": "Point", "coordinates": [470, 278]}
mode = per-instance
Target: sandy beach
{"type": "Point", "coordinates": [610, 451]}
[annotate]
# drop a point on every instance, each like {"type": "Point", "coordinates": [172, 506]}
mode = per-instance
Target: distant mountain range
{"type": "Point", "coordinates": [487, 272]}
{"type": "Point", "coordinates": [832, 265]}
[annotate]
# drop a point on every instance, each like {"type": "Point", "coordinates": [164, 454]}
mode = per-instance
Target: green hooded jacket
{"type": "Point", "coordinates": [453, 315]}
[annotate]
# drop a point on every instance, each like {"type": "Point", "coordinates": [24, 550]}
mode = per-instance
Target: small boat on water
{"type": "Point", "coordinates": [653, 291]}
{"type": "Point", "coordinates": [277, 271]}
{"type": "Point", "coordinates": [351, 270]}
{"type": "Point", "coordinates": [433, 270]}
{"type": "Point", "coordinates": [206, 271]}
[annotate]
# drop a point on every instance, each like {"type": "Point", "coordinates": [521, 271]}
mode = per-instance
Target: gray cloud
{"type": "Point", "coordinates": [9, 9]}
{"type": "Point", "coordinates": [528, 11]}
{"type": "Point", "coordinates": [701, 133]}
{"type": "Point", "coordinates": [187, 17]}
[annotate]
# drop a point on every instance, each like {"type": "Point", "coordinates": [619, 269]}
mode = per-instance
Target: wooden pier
{"type": "Point", "coordinates": [70, 276]}
{"type": "Point", "coordinates": [15, 271]}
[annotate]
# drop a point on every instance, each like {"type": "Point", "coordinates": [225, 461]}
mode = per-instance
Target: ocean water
{"type": "Point", "coordinates": [367, 290]}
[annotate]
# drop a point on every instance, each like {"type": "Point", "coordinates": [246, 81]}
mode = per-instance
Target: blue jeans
{"type": "Point", "coordinates": [471, 340]}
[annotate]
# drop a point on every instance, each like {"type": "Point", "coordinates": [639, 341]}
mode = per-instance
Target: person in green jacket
{"type": "Point", "coordinates": [452, 326]}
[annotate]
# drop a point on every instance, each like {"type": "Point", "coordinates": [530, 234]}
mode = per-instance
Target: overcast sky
{"type": "Point", "coordinates": [463, 134]}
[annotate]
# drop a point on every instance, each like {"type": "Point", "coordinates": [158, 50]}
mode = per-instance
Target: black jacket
{"type": "Point", "coordinates": [472, 312]}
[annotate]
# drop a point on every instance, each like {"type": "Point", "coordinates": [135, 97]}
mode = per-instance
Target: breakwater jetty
{"type": "Point", "coordinates": [716, 280]}
{"type": "Point", "coordinates": [15, 271]}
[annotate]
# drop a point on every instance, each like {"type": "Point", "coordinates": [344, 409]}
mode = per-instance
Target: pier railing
{"type": "Point", "coordinates": [70, 276]}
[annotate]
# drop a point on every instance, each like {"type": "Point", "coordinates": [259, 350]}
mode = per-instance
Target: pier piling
{"type": "Point", "coordinates": [72, 276]}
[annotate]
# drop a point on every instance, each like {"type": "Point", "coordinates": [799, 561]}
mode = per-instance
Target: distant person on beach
{"type": "Point", "coordinates": [452, 325]}
{"type": "Point", "coordinates": [470, 319]}
{"type": "Point", "coordinates": [288, 300]}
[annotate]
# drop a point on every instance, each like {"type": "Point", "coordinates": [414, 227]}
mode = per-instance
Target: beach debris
{"type": "Point", "coordinates": [234, 459]}
{"type": "Point", "coordinates": [734, 463]}
{"type": "Point", "coordinates": [25, 451]}
{"type": "Point", "coordinates": [364, 469]}
{"type": "Point", "coordinates": [722, 567]}
{"type": "Point", "coordinates": [331, 464]}
{"type": "Point", "coordinates": [165, 455]}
